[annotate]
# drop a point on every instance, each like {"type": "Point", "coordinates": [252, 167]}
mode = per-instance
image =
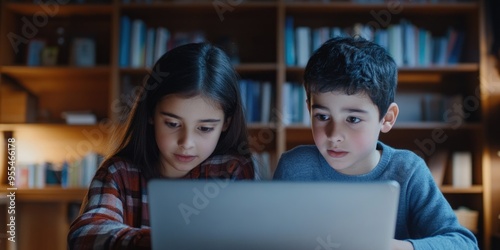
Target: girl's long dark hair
{"type": "Point", "coordinates": [188, 70]}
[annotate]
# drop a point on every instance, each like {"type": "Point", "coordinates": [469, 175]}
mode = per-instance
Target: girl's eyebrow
{"type": "Point", "coordinates": [180, 118]}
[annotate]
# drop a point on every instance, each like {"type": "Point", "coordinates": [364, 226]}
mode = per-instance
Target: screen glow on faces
{"type": "Point", "coordinates": [187, 131]}
{"type": "Point", "coordinates": [345, 130]}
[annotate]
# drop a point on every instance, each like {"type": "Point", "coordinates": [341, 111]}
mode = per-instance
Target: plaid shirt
{"type": "Point", "coordinates": [115, 212]}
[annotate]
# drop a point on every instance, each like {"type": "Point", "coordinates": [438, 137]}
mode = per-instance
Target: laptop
{"type": "Point", "coordinates": [261, 215]}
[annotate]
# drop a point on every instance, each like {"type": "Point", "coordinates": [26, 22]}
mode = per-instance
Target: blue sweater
{"type": "Point", "coordinates": [424, 217]}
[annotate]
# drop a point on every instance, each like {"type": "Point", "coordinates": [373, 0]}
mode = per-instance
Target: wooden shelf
{"type": "Point", "coordinates": [49, 194]}
{"type": "Point", "coordinates": [475, 189]}
{"type": "Point", "coordinates": [241, 68]}
{"type": "Point", "coordinates": [408, 8]}
{"type": "Point", "coordinates": [188, 5]}
{"type": "Point", "coordinates": [60, 9]}
{"type": "Point", "coordinates": [29, 73]}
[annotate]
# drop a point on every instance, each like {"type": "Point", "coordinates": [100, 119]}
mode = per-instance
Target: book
{"type": "Point", "coordinates": [35, 47]}
{"type": "Point", "coordinates": [138, 44]}
{"type": "Point", "coordinates": [437, 165]}
{"type": "Point", "coordinates": [124, 49]}
{"type": "Point", "coordinates": [266, 97]}
{"type": "Point", "coordinates": [150, 46]}
{"type": "Point", "coordinates": [161, 42]}
{"type": "Point", "coordinates": [289, 42]}
{"type": "Point", "coordinates": [79, 117]}
{"type": "Point", "coordinates": [303, 45]}
{"type": "Point", "coordinates": [83, 52]}
{"type": "Point", "coordinates": [462, 169]}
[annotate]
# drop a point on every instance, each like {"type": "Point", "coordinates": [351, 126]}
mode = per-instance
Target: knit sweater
{"type": "Point", "coordinates": [424, 217]}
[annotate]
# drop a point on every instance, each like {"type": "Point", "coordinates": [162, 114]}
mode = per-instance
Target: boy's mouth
{"type": "Point", "coordinates": [336, 154]}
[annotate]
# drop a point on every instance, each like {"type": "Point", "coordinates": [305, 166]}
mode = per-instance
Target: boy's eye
{"type": "Point", "coordinates": [322, 117]}
{"type": "Point", "coordinates": [352, 119]}
{"type": "Point", "coordinates": [172, 124]}
{"type": "Point", "coordinates": [206, 129]}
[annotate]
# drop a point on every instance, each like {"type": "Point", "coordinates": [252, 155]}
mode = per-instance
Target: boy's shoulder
{"type": "Point", "coordinates": [403, 158]}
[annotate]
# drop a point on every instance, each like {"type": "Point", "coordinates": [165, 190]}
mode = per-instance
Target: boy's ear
{"type": "Point", "coordinates": [390, 118]}
{"type": "Point", "coordinates": [225, 126]}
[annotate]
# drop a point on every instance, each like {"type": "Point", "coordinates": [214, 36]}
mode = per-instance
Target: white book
{"type": "Point", "coordinates": [303, 45]}
{"type": "Point", "coordinates": [462, 169]}
{"type": "Point", "coordinates": [161, 42]}
{"type": "Point", "coordinates": [40, 175]}
{"type": "Point", "coordinates": [79, 118]}
{"type": "Point", "coordinates": [90, 163]}
{"type": "Point", "coordinates": [396, 43]}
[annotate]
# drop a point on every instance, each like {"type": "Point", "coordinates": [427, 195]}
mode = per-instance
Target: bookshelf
{"type": "Point", "coordinates": [258, 28]}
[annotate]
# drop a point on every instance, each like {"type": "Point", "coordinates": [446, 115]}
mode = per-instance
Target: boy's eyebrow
{"type": "Point", "coordinates": [349, 110]}
{"type": "Point", "coordinates": [354, 110]}
{"type": "Point", "coordinates": [180, 118]}
{"type": "Point", "coordinates": [317, 106]}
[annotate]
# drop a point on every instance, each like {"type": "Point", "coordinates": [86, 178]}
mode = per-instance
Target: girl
{"type": "Point", "coordinates": [187, 123]}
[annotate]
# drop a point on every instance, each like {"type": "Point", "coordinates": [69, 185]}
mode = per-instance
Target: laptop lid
{"type": "Point", "coordinates": [228, 215]}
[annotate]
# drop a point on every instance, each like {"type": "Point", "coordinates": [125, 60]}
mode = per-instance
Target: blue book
{"type": "Point", "coordinates": [289, 42]}
{"type": "Point", "coordinates": [124, 41]}
{"type": "Point", "coordinates": [456, 50]}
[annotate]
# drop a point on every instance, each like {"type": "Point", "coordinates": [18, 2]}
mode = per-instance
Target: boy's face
{"type": "Point", "coordinates": [187, 131]}
{"type": "Point", "coordinates": [346, 130]}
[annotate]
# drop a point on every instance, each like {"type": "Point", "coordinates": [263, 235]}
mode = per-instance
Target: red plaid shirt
{"type": "Point", "coordinates": [115, 212]}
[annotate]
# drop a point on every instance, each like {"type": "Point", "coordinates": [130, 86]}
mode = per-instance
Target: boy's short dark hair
{"type": "Point", "coordinates": [353, 65]}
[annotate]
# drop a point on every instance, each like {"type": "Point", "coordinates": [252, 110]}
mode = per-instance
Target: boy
{"type": "Point", "coordinates": [350, 85]}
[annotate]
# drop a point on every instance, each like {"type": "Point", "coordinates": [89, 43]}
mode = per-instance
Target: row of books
{"type": "Point", "coordinates": [460, 172]}
{"type": "Point", "coordinates": [257, 99]}
{"type": "Point", "coordinates": [78, 173]}
{"type": "Point", "coordinates": [408, 44]}
{"type": "Point", "coordinates": [41, 53]}
{"type": "Point", "coordinates": [429, 107]}
{"type": "Point", "coordinates": [141, 46]}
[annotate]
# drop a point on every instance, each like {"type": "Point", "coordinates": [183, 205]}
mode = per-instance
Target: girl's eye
{"type": "Point", "coordinates": [322, 117]}
{"type": "Point", "coordinates": [172, 124]}
{"type": "Point", "coordinates": [353, 119]}
{"type": "Point", "coordinates": [206, 129]}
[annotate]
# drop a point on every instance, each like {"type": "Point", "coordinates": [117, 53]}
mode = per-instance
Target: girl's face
{"type": "Point", "coordinates": [187, 131]}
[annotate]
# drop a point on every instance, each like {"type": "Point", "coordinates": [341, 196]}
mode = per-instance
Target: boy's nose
{"type": "Point", "coordinates": [333, 133]}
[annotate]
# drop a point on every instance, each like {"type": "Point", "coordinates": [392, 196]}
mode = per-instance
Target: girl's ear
{"type": "Point", "coordinates": [390, 118]}
{"type": "Point", "coordinates": [225, 126]}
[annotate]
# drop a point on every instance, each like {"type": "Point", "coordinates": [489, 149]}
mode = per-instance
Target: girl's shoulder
{"type": "Point", "coordinates": [117, 166]}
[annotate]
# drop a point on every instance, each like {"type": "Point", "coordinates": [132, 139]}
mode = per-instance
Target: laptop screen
{"type": "Point", "coordinates": [229, 215]}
